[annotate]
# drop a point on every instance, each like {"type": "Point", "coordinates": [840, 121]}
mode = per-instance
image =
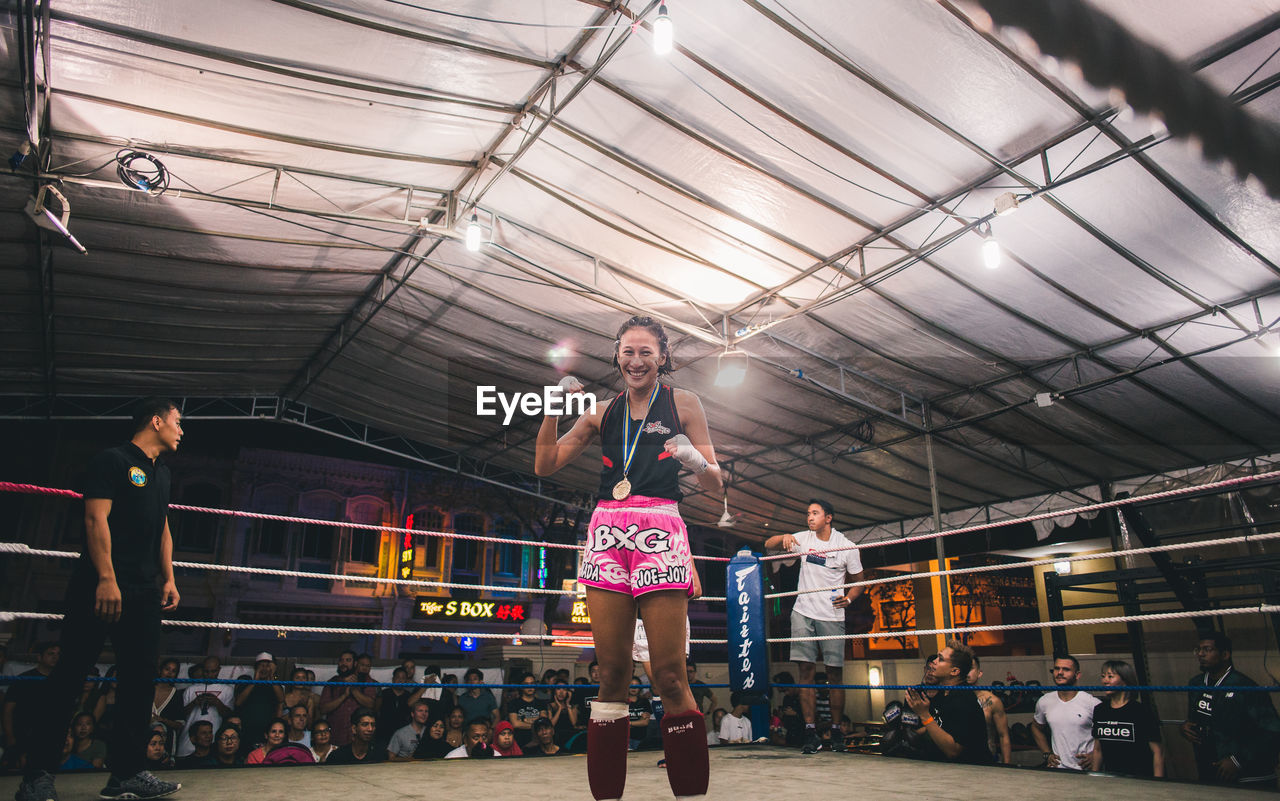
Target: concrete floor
{"type": "Point", "coordinates": [737, 774]}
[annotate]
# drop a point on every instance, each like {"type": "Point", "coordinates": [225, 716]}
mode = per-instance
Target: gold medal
{"type": "Point", "coordinates": [622, 489]}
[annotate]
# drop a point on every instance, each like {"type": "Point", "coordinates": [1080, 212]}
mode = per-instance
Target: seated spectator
{"type": "Point", "coordinates": [299, 722]}
{"type": "Point", "coordinates": [157, 757]}
{"type": "Point", "coordinates": [362, 748]}
{"type": "Point", "coordinates": [404, 743]}
{"type": "Point", "coordinates": [321, 741]}
{"type": "Point", "coordinates": [544, 693]}
{"type": "Point", "coordinates": [735, 727]}
{"type": "Point", "coordinates": [477, 701]}
{"type": "Point", "coordinates": [951, 720]}
{"type": "Point", "coordinates": [476, 744]}
{"type": "Point", "coordinates": [638, 710]}
{"type": "Point", "coordinates": [1127, 732]}
{"type": "Point", "coordinates": [21, 704]}
{"type": "Point", "coordinates": [790, 714]}
{"type": "Point", "coordinates": [201, 754]}
{"type": "Point", "coordinates": [258, 705]}
{"type": "Point", "coordinates": [205, 700]}
{"type": "Point", "coordinates": [504, 740]}
{"type": "Point", "coordinates": [449, 690]}
{"type": "Point", "coordinates": [455, 732]}
{"type": "Point", "coordinates": [88, 747]}
{"type": "Point", "coordinates": [525, 708]}
{"type": "Point", "coordinates": [394, 704]}
{"type": "Point", "coordinates": [562, 712]}
{"type": "Point", "coordinates": [717, 720]}
{"type": "Point", "coordinates": [433, 690]}
{"type": "Point", "coordinates": [226, 754]}
{"type": "Point", "coordinates": [296, 695]}
{"type": "Point", "coordinates": [70, 759]}
{"type": "Point", "coordinates": [433, 744]}
{"type": "Point", "coordinates": [104, 709]}
{"type": "Point", "coordinates": [166, 705]}
{"type": "Point", "coordinates": [272, 738]}
{"type": "Point", "coordinates": [544, 743]}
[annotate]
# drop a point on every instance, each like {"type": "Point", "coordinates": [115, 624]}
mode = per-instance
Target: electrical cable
{"type": "Point", "coordinates": [143, 171]}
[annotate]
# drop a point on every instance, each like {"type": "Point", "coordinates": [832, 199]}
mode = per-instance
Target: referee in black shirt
{"type": "Point", "coordinates": [113, 593]}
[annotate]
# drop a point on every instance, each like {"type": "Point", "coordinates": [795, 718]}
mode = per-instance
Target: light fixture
{"type": "Point", "coordinates": [991, 254]}
{"type": "Point", "coordinates": [733, 369]}
{"type": "Point", "coordinates": [1045, 399]}
{"type": "Point", "coordinates": [874, 677]}
{"type": "Point", "coordinates": [1006, 204]}
{"type": "Point", "coordinates": [474, 232]}
{"type": "Point", "coordinates": [726, 519]}
{"type": "Point", "coordinates": [44, 218]}
{"type": "Point", "coordinates": [1063, 568]}
{"type": "Point", "coordinates": [664, 34]}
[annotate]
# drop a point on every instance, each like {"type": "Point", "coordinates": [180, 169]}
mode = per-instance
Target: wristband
{"type": "Point", "coordinates": [927, 721]}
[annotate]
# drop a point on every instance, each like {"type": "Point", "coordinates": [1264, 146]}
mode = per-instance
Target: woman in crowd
{"type": "Point", "coordinates": [717, 717]}
{"type": "Point", "coordinates": [455, 733]}
{"type": "Point", "coordinates": [433, 744]}
{"type": "Point", "coordinates": [562, 712]}
{"type": "Point", "coordinates": [504, 740]}
{"type": "Point", "coordinates": [1127, 732]}
{"type": "Point", "coordinates": [226, 747]}
{"type": "Point", "coordinates": [300, 694]}
{"type": "Point", "coordinates": [274, 738]}
{"type": "Point", "coordinates": [321, 741]}
{"type": "Point", "coordinates": [88, 748]}
{"type": "Point", "coordinates": [157, 754]}
{"type": "Point", "coordinates": [648, 434]}
{"type": "Point", "coordinates": [166, 705]}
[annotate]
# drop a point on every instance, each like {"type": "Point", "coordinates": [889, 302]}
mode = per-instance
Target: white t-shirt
{"type": "Point", "coordinates": [813, 576]}
{"type": "Point", "coordinates": [226, 694]}
{"type": "Point", "coordinates": [461, 753]}
{"type": "Point", "coordinates": [1070, 724]}
{"type": "Point", "coordinates": [735, 729]}
{"type": "Point", "coordinates": [640, 643]}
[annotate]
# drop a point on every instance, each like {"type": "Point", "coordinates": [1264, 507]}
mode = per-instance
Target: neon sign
{"type": "Point", "coordinates": [579, 613]}
{"type": "Point", "coordinates": [449, 609]}
{"type": "Point", "coordinates": [406, 550]}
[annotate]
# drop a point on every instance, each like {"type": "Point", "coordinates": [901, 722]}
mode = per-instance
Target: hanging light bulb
{"type": "Point", "coordinates": [474, 233]}
{"type": "Point", "coordinates": [991, 254]}
{"type": "Point", "coordinates": [732, 369]}
{"type": "Point", "coordinates": [664, 34]}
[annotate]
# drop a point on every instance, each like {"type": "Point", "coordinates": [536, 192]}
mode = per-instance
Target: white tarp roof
{"type": "Point", "coordinates": [796, 181]}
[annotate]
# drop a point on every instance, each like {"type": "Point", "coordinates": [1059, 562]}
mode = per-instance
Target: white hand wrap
{"type": "Point", "coordinates": [688, 455]}
{"type": "Point", "coordinates": [570, 384]}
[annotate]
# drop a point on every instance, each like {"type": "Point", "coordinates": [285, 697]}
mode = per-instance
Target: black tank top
{"type": "Point", "coordinates": [654, 472]}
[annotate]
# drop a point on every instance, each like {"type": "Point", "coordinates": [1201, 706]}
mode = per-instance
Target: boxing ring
{"type": "Point", "coordinates": [738, 773]}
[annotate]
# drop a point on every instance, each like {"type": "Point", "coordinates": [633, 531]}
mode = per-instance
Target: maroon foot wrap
{"type": "Point", "coordinates": [684, 739]}
{"type": "Point", "coordinates": [607, 757]}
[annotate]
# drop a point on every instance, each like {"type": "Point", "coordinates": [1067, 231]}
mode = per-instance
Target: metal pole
{"type": "Point", "coordinates": [944, 582]}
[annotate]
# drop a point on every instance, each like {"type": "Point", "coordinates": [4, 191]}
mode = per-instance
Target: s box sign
{"type": "Point", "coordinates": [442, 608]}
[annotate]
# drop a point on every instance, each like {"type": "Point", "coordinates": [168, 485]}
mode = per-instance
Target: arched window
{"type": "Point", "coordinates": [198, 531]}
{"type": "Point", "coordinates": [366, 544]}
{"type": "Point", "coordinates": [427, 551]}
{"type": "Point", "coordinates": [467, 553]}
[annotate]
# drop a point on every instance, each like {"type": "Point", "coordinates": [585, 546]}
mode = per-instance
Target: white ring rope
{"type": "Point", "coordinates": [1093, 507]}
{"type": "Point", "coordinates": [6, 617]}
{"type": "Point", "coordinates": [22, 548]}
{"type": "Point", "coordinates": [1093, 621]}
{"type": "Point", "coordinates": [1246, 538]}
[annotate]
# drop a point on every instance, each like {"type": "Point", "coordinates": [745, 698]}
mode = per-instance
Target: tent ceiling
{"type": "Point", "coordinates": [798, 180]}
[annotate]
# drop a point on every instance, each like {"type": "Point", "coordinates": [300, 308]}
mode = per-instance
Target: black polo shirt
{"type": "Point", "coordinates": [139, 493]}
{"type": "Point", "coordinates": [959, 714]}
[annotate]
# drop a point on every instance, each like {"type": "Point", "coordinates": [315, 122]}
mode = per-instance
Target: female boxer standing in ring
{"type": "Point", "coordinates": [637, 556]}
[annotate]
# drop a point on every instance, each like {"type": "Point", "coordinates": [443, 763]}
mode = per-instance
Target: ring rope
{"type": "Point", "coordinates": [24, 549]}
{"type": "Point", "coordinates": [32, 489]}
{"type": "Point", "coordinates": [1038, 562]}
{"type": "Point", "coordinates": [1092, 507]}
{"type": "Point", "coordinates": [1093, 621]}
{"type": "Point", "coordinates": [6, 617]}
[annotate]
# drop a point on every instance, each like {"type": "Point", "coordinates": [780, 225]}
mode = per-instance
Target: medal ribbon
{"type": "Point", "coordinates": [629, 452]}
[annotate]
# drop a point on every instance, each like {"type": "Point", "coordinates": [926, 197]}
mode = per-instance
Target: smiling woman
{"type": "Point", "coordinates": [637, 557]}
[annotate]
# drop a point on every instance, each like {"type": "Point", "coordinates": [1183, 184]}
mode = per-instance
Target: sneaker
{"type": "Point", "coordinates": [812, 746]}
{"type": "Point", "coordinates": [837, 745]}
{"type": "Point", "coordinates": [142, 786]}
{"type": "Point", "coordinates": [38, 789]}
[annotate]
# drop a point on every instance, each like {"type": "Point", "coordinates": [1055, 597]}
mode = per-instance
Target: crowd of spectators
{"type": "Point", "coordinates": [207, 722]}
